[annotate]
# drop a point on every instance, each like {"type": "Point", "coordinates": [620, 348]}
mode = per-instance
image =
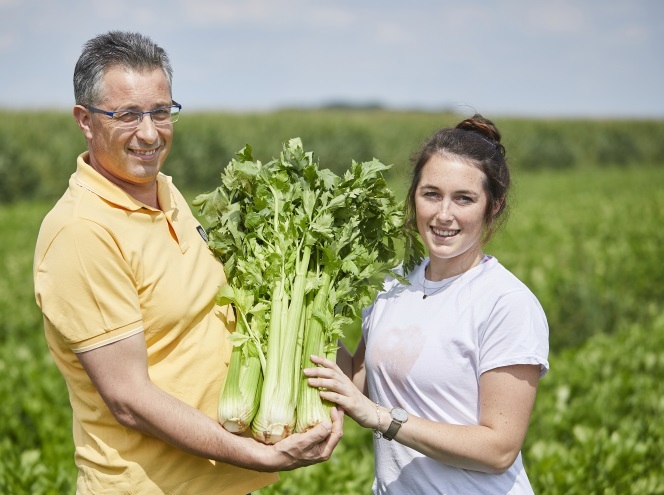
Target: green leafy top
{"type": "Point", "coordinates": [263, 215]}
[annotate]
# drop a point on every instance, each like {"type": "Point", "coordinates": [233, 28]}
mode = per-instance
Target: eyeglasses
{"type": "Point", "coordinates": [132, 118]}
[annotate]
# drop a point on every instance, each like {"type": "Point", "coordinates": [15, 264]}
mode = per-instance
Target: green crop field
{"type": "Point", "coordinates": [584, 234]}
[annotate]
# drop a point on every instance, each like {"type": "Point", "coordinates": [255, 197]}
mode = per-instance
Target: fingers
{"type": "Point", "coordinates": [323, 431]}
{"type": "Point", "coordinates": [326, 363]}
{"type": "Point", "coordinates": [335, 433]}
{"type": "Point", "coordinates": [320, 432]}
{"type": "Point", "coordinates": [327, 370]}
{"type": "Point", "coordinates": [314, 445]}
{"type": "Point", "coordinates": [339, 399]}
{"type": "Point", "coordinates": [321, 377]}
{"type": "Point", "coordinates": [329, 431]}
{"type": "Point", "coordinates": [325, 383]}
{"type": "Point", "coordinates": [320, 373]}
{"type": "Point", "coordinates": [334, 386]}
{"type": "Point", "coordinates": [337, 414]}
{"type": "Point", "coordinates": [333, 382]}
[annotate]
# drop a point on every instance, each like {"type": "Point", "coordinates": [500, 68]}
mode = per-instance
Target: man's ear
{"type": "Point", "coordinates": [83, 116]}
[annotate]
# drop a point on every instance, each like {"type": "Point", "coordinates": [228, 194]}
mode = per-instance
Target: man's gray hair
{"type": "Point", "coordinates": [132, 51]}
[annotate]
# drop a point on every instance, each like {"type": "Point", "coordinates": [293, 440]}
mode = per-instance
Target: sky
{"type": "Point", "coordinates": [553, 58]}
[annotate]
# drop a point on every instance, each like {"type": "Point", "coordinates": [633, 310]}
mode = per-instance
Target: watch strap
{"type": "Point", "coordinates": [392, 429]}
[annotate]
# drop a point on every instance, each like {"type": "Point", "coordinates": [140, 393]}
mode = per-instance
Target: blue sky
{"type": "Point", "coordinates": [586, 58]}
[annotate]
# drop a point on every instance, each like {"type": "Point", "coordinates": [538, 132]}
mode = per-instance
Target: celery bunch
{"type": "Point", "coordinates": [304, 251]}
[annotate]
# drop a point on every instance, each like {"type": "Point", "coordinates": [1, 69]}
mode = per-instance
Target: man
{"type": "Point", "coordinates": [126, 284]}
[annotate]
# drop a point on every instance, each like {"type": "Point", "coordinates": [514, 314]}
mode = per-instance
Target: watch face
{"type": "Point", "coordinates": [399, 414]}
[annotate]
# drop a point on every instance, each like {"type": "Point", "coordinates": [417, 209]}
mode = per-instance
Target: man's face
{"type": "Point", "coordinates": [130, 158]}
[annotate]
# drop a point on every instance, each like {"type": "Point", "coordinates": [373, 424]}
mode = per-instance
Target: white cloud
{"type": "Point", "coordinates": [394, 33]}
{"type": "Point", "coordinates": [633, 34]}
{"type": "Point", "coordinates": [333, 16]}
{"type": "Point", "coordinates": [555, 17]}
{"type": "Point", "coordinates": [248, 12]}
{"type": "Point", "coordinates": [7, 42]}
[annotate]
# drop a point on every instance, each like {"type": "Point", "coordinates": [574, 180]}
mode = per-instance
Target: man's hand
{"type": "Point", "coordinates": [311, 447]}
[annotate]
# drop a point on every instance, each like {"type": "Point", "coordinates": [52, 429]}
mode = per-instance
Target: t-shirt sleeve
{"type": "Point", "coordinates": [86, 289]}
{"type": "Point", "coordinates": [373, 312]}
{"type": "Point", "coordinates": [516, 332]}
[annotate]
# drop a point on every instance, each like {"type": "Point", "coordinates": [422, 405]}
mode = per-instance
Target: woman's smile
{"type": "Point", "coordinates": [444, 232]}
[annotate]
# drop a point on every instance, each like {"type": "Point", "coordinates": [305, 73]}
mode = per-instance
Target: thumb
{"type": "Point", "coordinates": [321, 431]}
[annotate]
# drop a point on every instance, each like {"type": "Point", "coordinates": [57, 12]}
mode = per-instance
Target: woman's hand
{"type": "Point", "coordinates": [336, 387]}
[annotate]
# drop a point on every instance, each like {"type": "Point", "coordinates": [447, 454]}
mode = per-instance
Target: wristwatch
{"type": "Point", "coordinates": [399, 417]}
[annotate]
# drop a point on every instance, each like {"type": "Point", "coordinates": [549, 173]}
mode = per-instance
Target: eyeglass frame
{"type": "Point", "coordinates": [139, 115]}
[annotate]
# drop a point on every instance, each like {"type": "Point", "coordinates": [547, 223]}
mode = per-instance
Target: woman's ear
{"type": "Point", "coordinates": [497, 207]}
{"type": "Point", "coordinates": [83, 117]}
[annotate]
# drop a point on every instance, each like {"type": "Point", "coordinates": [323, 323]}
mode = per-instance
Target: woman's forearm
{"type": "Point", "coordinates": [477, 448]}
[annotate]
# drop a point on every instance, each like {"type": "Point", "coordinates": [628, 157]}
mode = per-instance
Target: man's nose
{"type": "Point", "coordinates": [146, 129]}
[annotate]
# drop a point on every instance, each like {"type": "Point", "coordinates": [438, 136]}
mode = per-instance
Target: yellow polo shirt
{"type": "Point", "coordinates": [108, 267]}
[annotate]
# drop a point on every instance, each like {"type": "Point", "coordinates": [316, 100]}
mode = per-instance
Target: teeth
{"type": "Point", "coordinates": [445, 233]}
{"type": "Point", "coordinates": [146, 153]}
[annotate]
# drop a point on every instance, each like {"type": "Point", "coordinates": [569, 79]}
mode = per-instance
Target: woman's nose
{"type": "Point", "coordinates": [445, 211]}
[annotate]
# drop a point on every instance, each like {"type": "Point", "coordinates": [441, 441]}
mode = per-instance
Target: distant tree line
{"type": "Point", "coordinates": [38, 149]}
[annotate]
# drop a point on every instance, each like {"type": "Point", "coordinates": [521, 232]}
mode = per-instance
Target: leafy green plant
{"type": "Point", "coordinates": [588, 245]}
{"type": "Point", "coordinates": [36, 443]}
{"type": "Point", "coordinates": [304, 250]}
{"type": "Point", "coordinates": [597, 427]}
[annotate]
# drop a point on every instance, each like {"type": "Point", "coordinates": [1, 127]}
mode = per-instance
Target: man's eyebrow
{"type": "Point", "coordinates": [139, 108]}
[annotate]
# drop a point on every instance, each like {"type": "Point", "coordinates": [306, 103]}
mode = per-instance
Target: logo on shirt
{"type": "Point", "coordinates": [201, 231]}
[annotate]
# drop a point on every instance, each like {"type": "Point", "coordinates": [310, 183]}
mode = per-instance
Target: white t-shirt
{"type": "Point", "coordinates": [426, 356]}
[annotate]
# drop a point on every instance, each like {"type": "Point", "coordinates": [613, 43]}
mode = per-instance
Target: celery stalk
{"type": "Point", "coordinates": [238, 402]}
{"type": "Point", "coordinates": [263, 427]}
{"type": "Point", "coordinates": [240, 396]}
{"type": "Point", "coordinates": [311, 409]}
{"type": "Point", "coordinates": [275, 419]}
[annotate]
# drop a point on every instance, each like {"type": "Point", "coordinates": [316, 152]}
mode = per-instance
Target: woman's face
{"type": "Point", "coordinates": [450, 203]}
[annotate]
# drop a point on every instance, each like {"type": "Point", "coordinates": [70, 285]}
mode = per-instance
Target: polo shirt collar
{"type": "Point", "coordinates": [96, 183]}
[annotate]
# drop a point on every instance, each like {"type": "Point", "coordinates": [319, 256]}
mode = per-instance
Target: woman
{"type": "Point", "coordinates": [447, 368]}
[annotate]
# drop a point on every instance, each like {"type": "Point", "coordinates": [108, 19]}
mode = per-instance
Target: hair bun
{"type": "Point", "coordinates": [484, 127]}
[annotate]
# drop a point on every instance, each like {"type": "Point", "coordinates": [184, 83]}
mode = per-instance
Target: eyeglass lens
{"type": "Point", "coordinates": [160, 116]}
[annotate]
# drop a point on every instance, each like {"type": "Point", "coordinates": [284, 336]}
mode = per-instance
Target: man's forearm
{"type": "Point", "coordinates": [163, 416]}
{"type": "Point", "coordinates": [119, 372]}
